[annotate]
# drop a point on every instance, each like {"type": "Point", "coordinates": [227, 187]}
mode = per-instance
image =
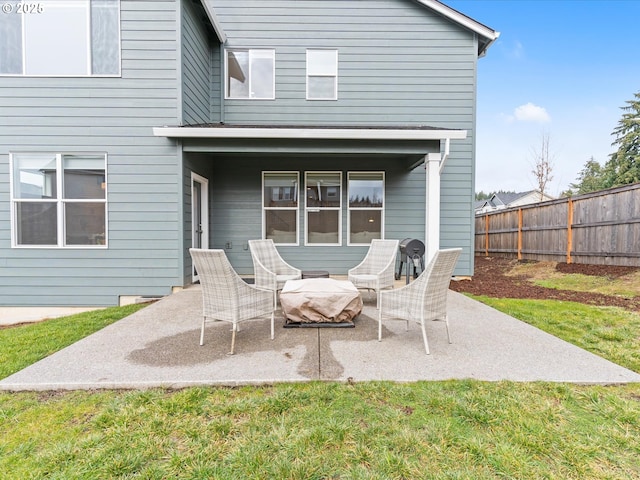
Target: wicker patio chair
{"type": "Point", "coordinates": [423, 299]}
{"type": "Point", "coordinates": [377, 270]}
{"type": "Point", "coordinates": [271, 271]}
{"type": "Point", "coordinates": [225, 296]}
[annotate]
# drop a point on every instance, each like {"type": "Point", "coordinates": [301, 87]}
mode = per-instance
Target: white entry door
{"type": "Point", "coordinates": [199, 215]}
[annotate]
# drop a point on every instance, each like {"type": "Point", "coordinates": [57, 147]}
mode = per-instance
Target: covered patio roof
{"type": "Point", "coordinates": [322, 132]}
{"type": "Point", "coordinates": [402, 143]}
{"type": "Point", "coordinates": [412, 144]}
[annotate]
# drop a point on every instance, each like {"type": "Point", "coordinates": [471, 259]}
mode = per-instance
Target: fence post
{"type": "Point", "coordinates": [569, 229]}
{"type": "Point", "coordinates": [486, 234]}
{"type": "Point", "coordinates": [519, 234]}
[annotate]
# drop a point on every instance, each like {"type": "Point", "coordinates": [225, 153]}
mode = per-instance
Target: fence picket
{"type": "Point", "coordinates": [597, 228]}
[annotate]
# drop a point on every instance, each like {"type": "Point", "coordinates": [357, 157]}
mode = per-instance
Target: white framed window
{"type": "Point", "coordinates": [322, 74]}
{"type": "Point", "coordinates": [250, 74]}
{"type": "Point", "coordinates": [60, 38]}
{"type": "Point", "coordinates": [58, 200]}
{"type": "Point", "coordinates": [280, 193]}
{"type": "Point", "coordinates": [366, 207]}
{"type": "Point", "coordinates": [323, 208]}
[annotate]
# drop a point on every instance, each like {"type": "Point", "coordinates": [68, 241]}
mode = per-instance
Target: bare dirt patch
{"type": "Point", "coordinates": [506, 278]}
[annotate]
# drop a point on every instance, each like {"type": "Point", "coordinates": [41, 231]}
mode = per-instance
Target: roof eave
{"type": "Point", "coordinates": [488, 33]}
{"type": "Point", "coordinates": [213, 18]}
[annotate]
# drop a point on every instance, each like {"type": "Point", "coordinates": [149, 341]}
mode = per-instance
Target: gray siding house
{"type": "Point", "coordinates": [132, 130]}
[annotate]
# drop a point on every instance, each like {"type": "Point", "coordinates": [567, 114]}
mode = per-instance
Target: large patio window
{"type": "Point", "coordinates": [60, 38]}
{"type": "Point", "coordinates": [323, 208]}
{"type": "Point", "coordinates": [280, 207]}
{"type": "Point", "coordinates": [58, 200]}
{"type": "Point", "coordinates": [250, 74]}
{"type": "Point", "coordinates": [366, 206]}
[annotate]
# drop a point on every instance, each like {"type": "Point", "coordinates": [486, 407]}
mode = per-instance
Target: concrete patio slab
{"type": "Point", "coordinates": [158, 347]}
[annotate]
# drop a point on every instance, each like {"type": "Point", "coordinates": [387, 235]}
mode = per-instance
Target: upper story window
{"type": "Point", "coordinates": [322, 74]}
{"type": "Point", "coordinates": [250, 74]}
{"type": "Point", "coordinates": [60, 38]}
{"type": "Point", "coordinates": [366, 206]}
{"type": "Point", "coordinates": [58, 200]}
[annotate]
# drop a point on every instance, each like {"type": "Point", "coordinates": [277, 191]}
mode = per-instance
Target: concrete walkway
{"type": "Point", "coordinates": [158, 347]}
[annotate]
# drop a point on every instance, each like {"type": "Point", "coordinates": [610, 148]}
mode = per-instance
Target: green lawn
{"type": "Point", "coordinates": [431, 430]}
{"type": "Point", "coordinates": [440, 430]}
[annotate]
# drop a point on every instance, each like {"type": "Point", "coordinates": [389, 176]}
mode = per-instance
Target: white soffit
{"type": "Point", "coordinates": [310, 133]}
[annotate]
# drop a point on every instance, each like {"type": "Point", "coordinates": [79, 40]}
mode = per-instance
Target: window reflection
{"type": "Point", "coordinates": [366, 206]}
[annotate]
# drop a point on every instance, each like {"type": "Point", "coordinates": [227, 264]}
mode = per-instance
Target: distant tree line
{"type": "Point", "coordinates": [485, 196]}
{"type": "Point", "coordinates": [623, 166]}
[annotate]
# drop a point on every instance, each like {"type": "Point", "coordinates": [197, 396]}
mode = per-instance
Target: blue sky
{"type": "Point", "coordinates": [561, 68]}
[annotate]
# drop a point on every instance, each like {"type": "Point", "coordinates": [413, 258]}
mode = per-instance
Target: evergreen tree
{"type": "Point", "coordinates": [623, 167]}
{"type": "Point", "coordinates": [590, 179]}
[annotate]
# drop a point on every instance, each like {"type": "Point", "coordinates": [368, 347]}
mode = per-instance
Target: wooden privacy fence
{"type": "Point", "coordinates": [597, 228]}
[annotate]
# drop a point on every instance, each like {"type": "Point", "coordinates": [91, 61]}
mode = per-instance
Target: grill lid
{"type": "Point", "coordinates": [412, 247]}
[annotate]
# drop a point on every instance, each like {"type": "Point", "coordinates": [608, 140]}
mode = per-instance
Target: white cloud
{"type": "Point", "coordinates": [517, 51]}
{"type": "Point", "coordinates": [530, 113]}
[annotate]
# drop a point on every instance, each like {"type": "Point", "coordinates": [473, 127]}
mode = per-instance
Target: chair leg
{"type": "Point", "coordinates": [424, 336]}
{"type": "Point", "coordinates": [446, 322]}
{"type": "Point", "coordinates": [272, 332]}
{"type": "Point", "coordinates": [233, 339]}
{"type": "Point", "coordinates": [380, 325]}
{"type": "Point", "coordinates": [202, 332]}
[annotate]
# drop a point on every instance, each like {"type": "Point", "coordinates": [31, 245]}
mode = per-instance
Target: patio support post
{"type": "Point", "coordinates": [432, 218]}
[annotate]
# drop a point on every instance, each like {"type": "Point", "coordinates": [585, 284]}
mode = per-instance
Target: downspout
{"type": "Point", "coordinates": [222, 83]}
{"type": "Point", "coordinates": [445, 156]}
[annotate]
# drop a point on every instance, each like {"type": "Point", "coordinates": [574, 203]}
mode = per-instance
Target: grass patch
{"type": "Point", "coordinates": [439, 430]}
{"type": "Point", "coordinates": [23, 345]}
{"type": "Point", "coordinates": [544, 274]}
{"type": "Point", "coordinates": [623, 286]}
{"type": "Point", "coordinates": [612, 333]}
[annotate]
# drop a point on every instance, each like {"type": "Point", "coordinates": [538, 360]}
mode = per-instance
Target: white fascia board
{"type": "Point", "coordinates": [462, 19]}
{"type": "Point", "coordinates": [309, 133]}
{"type": "Point", "coordinates": [213, 18]}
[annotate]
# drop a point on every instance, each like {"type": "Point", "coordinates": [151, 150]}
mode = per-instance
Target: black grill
{"type": "Point", "coordinates": [411, 251]}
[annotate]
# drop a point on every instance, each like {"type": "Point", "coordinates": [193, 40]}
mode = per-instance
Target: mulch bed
{"type": "Point", "coordinates": [490, 279]}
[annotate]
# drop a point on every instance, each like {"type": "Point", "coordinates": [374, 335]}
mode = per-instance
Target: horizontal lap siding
{"type": "Point", "coordinates": [390, 54]}
{"type": "Point", "coordinates": [196, 69]}
{"type": "Point", "coordinates": [399, 64]}
{"type": "Point", "coordinates": [236, 216]}
{"type": "Point", "coordinates": [197, 48]}
{"type": "Point", "coordinates": [112, 115]}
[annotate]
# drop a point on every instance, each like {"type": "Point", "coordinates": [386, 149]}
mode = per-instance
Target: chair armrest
{"type": "Point", "coordinates": [264, 278]}
{"type": "Point", "coordinates": [286, 269]}
{"type": "Point", "coordinates": [254, 298]}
